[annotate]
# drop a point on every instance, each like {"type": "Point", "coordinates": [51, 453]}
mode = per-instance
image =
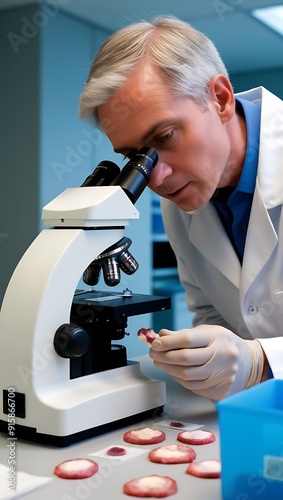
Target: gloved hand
{"type": "Point", "coordinates": [209, 360]}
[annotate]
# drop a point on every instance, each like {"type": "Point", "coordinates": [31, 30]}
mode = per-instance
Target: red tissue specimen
{"type": "Point", "coordinates": [116, 451]}
{"type": "Point", "coordinates": [147, 335]}
{"type": "Point", "coordinates": [176, 424]}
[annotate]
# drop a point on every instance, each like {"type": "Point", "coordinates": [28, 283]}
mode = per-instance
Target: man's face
{"type": "Point", "coordinates": [193, 145]}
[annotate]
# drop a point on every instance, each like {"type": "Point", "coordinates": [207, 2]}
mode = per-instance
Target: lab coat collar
{"type": "Point", "coordinates": [270, 162]}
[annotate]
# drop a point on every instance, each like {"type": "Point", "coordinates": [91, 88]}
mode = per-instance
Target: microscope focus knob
{"type": "Point", "coordinates": [71, 341]}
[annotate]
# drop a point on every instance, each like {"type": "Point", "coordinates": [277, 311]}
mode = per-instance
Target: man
{"type": "Point", "coordinates": [219, 173]}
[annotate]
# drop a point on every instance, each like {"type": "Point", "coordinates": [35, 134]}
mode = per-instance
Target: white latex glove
{"type": "Point", "coordinates": [209, 360]}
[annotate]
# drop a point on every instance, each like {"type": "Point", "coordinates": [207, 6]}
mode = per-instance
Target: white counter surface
{"type": "Point", "coordinates": [107, 483]}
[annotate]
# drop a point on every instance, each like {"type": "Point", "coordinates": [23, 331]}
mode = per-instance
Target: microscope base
{"type": "Point", "coordinates": [31, 434]}
{"type": "Point", "coordinates": [95, 404]}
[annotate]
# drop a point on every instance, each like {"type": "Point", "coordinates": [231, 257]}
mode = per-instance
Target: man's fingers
{"type": "Point", "coordinates": [184, 375]}
{"type": "Point", "coordinates": [181, 339]}
{"type": "Point", "coordinates": [194, 378]}
{"type": "Point", "coordinates": [182, 357]}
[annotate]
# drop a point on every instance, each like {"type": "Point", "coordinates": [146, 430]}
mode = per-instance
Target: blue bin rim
{"type": "Point", "coordinates": [242, 400]}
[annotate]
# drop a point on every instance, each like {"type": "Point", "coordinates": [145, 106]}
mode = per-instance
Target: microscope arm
{"type": "Point", "coordinates": [40, 293]}
{"type": "Point", "coordinates": [38, 300]}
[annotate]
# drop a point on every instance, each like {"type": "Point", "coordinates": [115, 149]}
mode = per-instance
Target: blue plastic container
{"type": "Point", "coordinates": [251, 443]}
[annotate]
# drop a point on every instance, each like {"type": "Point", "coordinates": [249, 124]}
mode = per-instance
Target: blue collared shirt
{"type": "Point", "coordinates": [234, 204]}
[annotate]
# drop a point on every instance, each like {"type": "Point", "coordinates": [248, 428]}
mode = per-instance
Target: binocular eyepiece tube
{"type": "Point", "coordinates": [133, 179]}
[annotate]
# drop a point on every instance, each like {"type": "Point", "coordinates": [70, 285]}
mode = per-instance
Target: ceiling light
{"type": "Point", "coordinates": [271, 16]}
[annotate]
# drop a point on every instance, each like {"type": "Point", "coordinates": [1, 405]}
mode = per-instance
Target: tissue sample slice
{"type": "Point", "coordinates": [144, 435]}
{"type": "Point", "coordinates": [153, 486]}
{"type": "Point", "coordinates": [205, 468]}
{"type": "Point", "coordinates": [172, 454]}
{"type": "Point", "coordinates": [76, 468]}
{"type": "Point", "coordinates": [198, 436]}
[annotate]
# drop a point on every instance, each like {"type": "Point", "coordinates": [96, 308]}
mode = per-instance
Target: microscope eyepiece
{"type": "Point", "coordinates": [134, 177]}
{"type": "Point", "coordinates": [105, 172]}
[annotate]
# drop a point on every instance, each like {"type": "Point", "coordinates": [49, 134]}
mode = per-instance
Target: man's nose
{"type": "Point", "coordinates": [159, 173]}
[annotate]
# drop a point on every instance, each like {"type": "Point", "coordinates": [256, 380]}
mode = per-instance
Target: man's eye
{"type": "Point", "coordinates": [164, 138]}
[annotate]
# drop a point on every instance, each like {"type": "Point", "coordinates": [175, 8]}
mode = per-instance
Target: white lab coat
{"type": "Point", "coordinates": [248, 299]}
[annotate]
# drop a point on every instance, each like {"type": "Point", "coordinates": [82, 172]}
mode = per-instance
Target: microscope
{"type": "Point", "coordinates": [62, 378]}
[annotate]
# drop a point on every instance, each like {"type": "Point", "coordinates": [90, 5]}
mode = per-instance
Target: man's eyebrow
{"type": "Point", "coordinates": [144, 138]}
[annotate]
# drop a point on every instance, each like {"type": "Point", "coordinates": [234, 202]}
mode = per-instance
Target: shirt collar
{"type": "Point", "coordinates": [246, 184]}
{"type": "Point", "coordinates": [251, 113]}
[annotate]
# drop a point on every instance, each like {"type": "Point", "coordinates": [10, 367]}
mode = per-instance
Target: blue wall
{"type": "Point", "coordinates": [271, 79]}
{"type": "Point", "coordinates": [19, 140]}
{"type": "Point", "coordinates": [67, 154]}
{"type": "Point", "coordinates": [46, 147]}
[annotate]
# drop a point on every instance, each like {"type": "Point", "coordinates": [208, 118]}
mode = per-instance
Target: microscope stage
{"type": "Point", "coordinates": [123, 304]}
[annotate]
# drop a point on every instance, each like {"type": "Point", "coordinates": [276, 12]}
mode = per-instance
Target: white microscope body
{"type": "Point", "coordinates": [35, 381]}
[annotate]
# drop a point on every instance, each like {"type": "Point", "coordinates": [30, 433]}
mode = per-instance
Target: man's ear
{"type": "Point", "coordinates": [222, 97]}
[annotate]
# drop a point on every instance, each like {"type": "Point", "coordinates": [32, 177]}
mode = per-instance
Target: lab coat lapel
{"type": "Point", "coordinates": [260, 242]}
{"type": "Point", "coordinates": [262, 237]}
{"type": "Point", "coordinates": [270, 166]}
{"type": "Point", "coordinates": [209, 237]}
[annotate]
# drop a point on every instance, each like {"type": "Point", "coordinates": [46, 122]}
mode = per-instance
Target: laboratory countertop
{"type": "Point", "coordinates": [107, 483]}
